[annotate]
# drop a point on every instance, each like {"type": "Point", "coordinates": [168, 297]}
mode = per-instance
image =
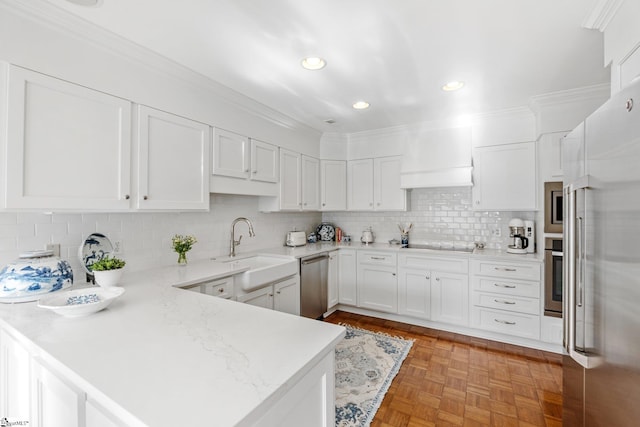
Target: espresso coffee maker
{"type": "Point", "coordinates": [518, 241]}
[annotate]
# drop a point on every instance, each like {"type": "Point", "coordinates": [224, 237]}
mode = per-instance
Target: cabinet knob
{"type": "Point", "coordinates": [378, 203]}
{"type": "Point", "coordinates": [370, 204]}
{"type": "Point", "coordinates": [438, 279]}
{"type": "Point", "coordinates": [278, 292]}
{"type": "Point", "coordinates": [221, 290]}
{"type": "Point", "coordinates": [324, 204]}
{"type": "Point", "coordinates": [246, 170]}
{"type": "Point", "coordinates": [145, 197]}
{"type": "Point", "coordinates": [127, 197]}
{"type": "Point", "coordinates": [270, 295]}
{"type": "Point", "coordinates": [255, 172]}
{"type": "Point", "coordinates": [428, 277]}
{"type": "Point", "coordinates": [393, 274]}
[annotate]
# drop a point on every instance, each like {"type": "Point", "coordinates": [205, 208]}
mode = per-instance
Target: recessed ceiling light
{"type": "Point", "coordinates": [361, 105]}
{"type": "Point", "coordinates": [313, 63]}
{"type": "Point", "coordinates": [451, 86]}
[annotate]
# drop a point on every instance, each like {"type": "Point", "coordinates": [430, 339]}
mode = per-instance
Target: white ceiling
{"type": "Point", "coordinates": [394, 54]}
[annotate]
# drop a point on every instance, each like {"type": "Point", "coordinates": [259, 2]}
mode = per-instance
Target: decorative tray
{"type": "Point", "coordinates": [81, 302]}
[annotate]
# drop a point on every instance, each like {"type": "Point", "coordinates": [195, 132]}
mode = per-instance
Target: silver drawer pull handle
{"type": "Point", "coordinates": [500, 285]}
{"type": "Point", "coordinates": [377, 257]}
{"type": "Point", "coordinates": [501, 301]}
{"type": "Point", "coordinates": [506, 322]}
{"type": "Point", "coordinates": [504, 269]}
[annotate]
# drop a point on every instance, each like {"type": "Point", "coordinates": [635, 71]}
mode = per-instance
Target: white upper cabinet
{"type": "Point", "coordinates": [173, 161]}
{"type": "Point", "coordinates": [238, 156]}
{"type": "Point", "coordinates": [505, 177]}
{"type": "Point", "coordinates": [387, 194]}
{"type": "Point", "coordinates": [290, 180]}
{"type": "Point", "coordinates": [230, 154]}
{"type": "Point", "coordinates": [299, 184]}
{"type": "Point", "coordinates": [264, 161]}
{"type": "Point", "coordinates": [310, 183]}
{"type": "Point", "coordinates": [360, 185]}
{"type": "Point", "coordinates": [67, 147]}
{"type": "Point", "coordinates": [333, 185]}
{"type": "Point", "coordinates": [374, 184]}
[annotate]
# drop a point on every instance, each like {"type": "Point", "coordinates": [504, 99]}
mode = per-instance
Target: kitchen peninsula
{"type": "Point", "coordinates": [160, 355]}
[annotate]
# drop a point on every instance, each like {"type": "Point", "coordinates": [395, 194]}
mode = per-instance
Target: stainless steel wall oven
{"type": "Point", "coordinates": [553, 277]}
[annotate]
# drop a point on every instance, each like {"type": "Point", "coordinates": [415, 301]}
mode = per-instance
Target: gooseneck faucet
{"type": "Point", "coordinates": [234, 242]}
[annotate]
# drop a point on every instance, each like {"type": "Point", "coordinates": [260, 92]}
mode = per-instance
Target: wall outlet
{"type": "Point", "coordinates": [55, 247]}
{"type": "Point", "coordinates": [496, 232]}
{"type": "Point", "coordinates": [117, 247]}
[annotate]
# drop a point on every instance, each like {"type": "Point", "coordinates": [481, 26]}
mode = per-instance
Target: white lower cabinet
{"type": "Point", "coordinates": [347, 277]}
{"type": "Point", "coordinates": [450, 298]}
{"type": "Point", "coordinates": [377, 281]}
{"type": "Point", "coordinates": [54, 401]}
{"type": "Point", "coordinates": [434, 288]}
{"type": "Point", "coordinates": [221, 288]}
{"type": "Point", "coordinates": [332, 280]}
{"type": "Point", "coordinates": [280, 296]}
{"type": "Point", "coordinates": [506, 297]}
{"type": "Point", "coordinates": [14, 375]}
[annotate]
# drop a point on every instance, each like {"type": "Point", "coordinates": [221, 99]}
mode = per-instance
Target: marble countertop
{"type": "Point", "coordinates": [165, 356]}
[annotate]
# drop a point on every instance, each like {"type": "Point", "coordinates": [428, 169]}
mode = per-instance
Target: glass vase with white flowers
{"type": "Point", "coordinates": [182, 245]}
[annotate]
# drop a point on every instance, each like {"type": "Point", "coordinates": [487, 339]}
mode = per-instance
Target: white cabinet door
{"type": "Point", "coordinates": [287, 296]}
{"type": "Point", "coordinates": [290, 180]}
{"type": "Point", "coordinates": [332, 280]}
{"type": "Point", "coordinates": [450, 298]}
{"type": "Point", "coordinates": [378, 288]}
{"type": "Point", "coordinates": [68, 147]}
{"type": "Point", "coordinates": [360, 185]}
{"type": "Point", "coordinates": [414, 293]}
{"type": "Point", "coordinates": [333, 185]}
{"type": "Point", "coordinates": [264, 161]}
{"type": "Point", "coordinates": [505, 177]}
{"type": "Point", "coordinates": [388, 195]}
{"type": "Point", "coordinates": [310, 183]}
{"type": "Point", "coordinates": [347, 276]}
{"type": "Point", "coordinates": [230, 154]}
{"type": "Point", "coordinates": [14, 379]}
{"type": "Point", "coordinates": [173, 161]}
{"type": "Point", "coordinates": [56, 403]}
{"type": "Point", "coordinates": [260, 298]}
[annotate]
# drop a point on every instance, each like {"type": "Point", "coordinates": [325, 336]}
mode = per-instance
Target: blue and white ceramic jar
{"type": "Point", "coordinates": [32, 275]}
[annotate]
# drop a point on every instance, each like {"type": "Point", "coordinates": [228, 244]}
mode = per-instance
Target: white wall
{"type": "Point", "coordinates": [146, 237]}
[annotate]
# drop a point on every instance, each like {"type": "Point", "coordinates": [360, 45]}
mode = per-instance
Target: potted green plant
{"type": "Point", "coordinates": [108, 271]}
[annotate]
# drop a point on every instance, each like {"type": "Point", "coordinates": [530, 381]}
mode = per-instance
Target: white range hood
{"type": "Point", "coordinates": [437, 158]}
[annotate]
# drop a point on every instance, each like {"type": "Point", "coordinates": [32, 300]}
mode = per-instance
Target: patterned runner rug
{"type": "Point", "coordinates": [366, 363]}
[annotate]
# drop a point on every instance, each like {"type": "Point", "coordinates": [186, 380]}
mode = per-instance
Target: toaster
{"type": "Point", "coordinates": [296, 238]}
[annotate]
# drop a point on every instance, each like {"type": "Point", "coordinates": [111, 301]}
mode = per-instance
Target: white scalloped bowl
{"type": "Point", "coordinates": [81, 302]}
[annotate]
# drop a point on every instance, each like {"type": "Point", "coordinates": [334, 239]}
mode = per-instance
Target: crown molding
{"type": "Point", "coordinates": [588, 93]}
{"type": "Point", "coordinates": [601, 14]}
{"type": "Point", "coordinates": [58, 19]}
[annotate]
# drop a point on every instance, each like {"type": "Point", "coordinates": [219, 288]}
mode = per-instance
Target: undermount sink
{"type": "Point", "coordinates": [263, 269]}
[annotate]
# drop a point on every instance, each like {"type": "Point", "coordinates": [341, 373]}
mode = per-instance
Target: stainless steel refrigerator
{"type": "Point", "coordinates": [601, 366]}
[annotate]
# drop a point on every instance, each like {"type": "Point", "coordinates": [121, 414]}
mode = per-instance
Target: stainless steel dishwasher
{"type": "Point", "coordinates": [313, 285]}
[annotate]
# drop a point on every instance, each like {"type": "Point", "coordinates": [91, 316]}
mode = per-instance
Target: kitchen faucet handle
{"type": "Point", "coordinates": [237, 242]}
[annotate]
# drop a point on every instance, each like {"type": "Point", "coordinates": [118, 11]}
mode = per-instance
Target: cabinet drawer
{"type": "Point", "coordinates": [510, 303]}
{"type": "Point", "coordinates": [527, 271]}
{"type": "Point", "coordinates": [506, 287]}
{"type": "Point", "coordinates": [523, 325]}
{"type": "Point", "coordinates": [452, 265]}
{"type": "Point", "coordinates": [222, 288]}
{"type": "Point", "coordinates": [377, 258]}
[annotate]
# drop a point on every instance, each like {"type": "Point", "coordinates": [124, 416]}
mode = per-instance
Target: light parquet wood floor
{"type": "Point", "coordinates": [455, 380]}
